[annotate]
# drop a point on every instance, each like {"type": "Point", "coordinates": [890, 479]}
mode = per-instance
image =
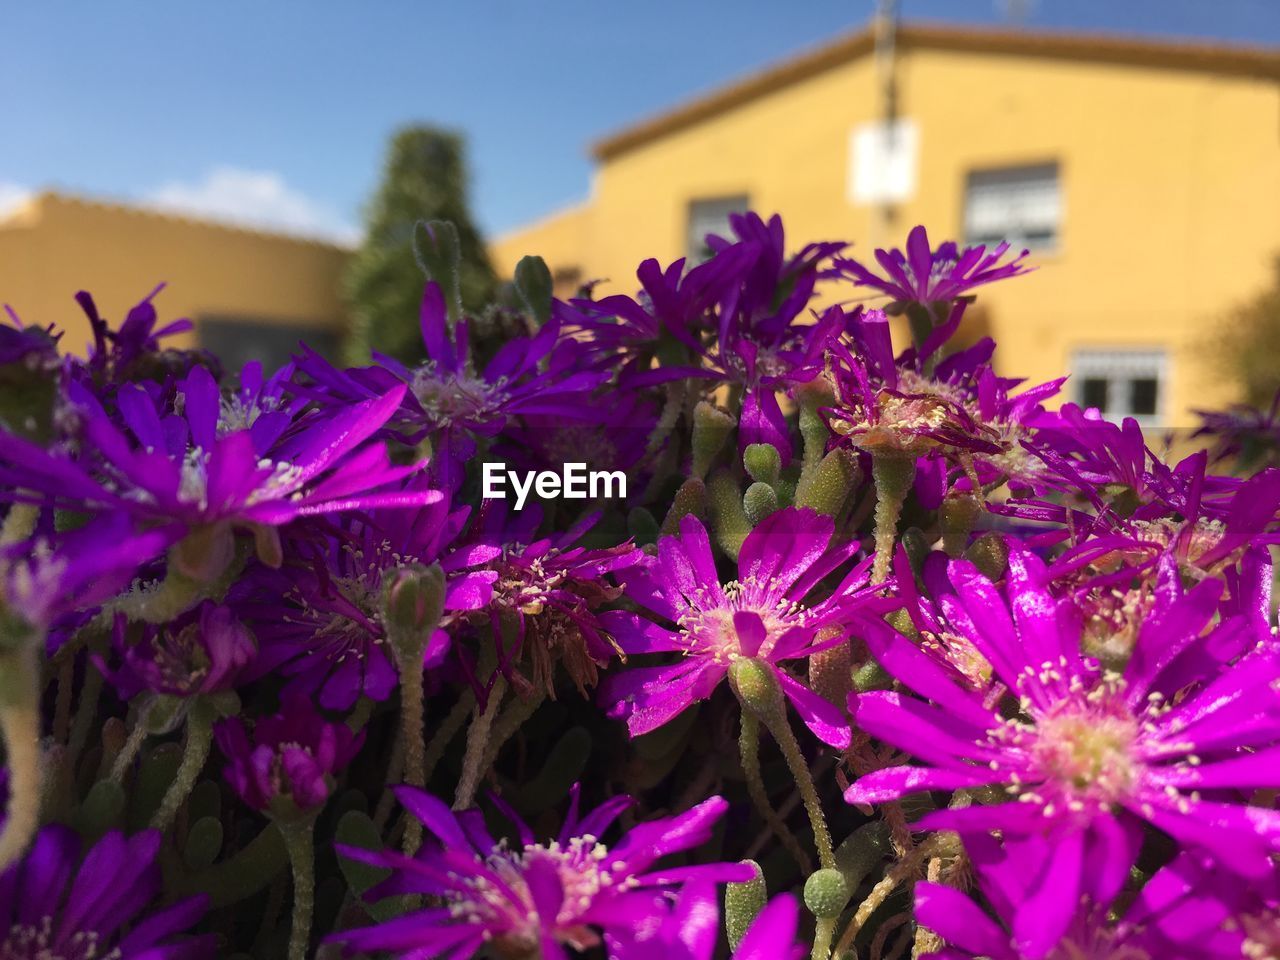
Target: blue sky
{"type": "Point", "coordinates": [279, 111]}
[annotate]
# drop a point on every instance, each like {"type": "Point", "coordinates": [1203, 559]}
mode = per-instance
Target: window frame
{"type": "Point", "coordinates": [1018, 241]}
{"type": "Point", "coordinates": [731, 203]}
{"type": "Point", "coordinates": [1123, 365]}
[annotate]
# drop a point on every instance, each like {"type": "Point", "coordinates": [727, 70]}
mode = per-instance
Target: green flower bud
{"type": "Point", "coordinates": [412, 601]}
{"type": "Point", "coordinates": [642, 525]}
{"type": "Point", "coordinates": [742, 901]}
{"type": "Point", "coordinates": [826, 893]}
{"type": "Point", "coordinates": [438, 252]}
{"type": "Point", "coordinates": [533, 283]}
{"type": "Point", "coordinates": [728, 519]}
{"type": "Point", "coordinates": [871, 676]}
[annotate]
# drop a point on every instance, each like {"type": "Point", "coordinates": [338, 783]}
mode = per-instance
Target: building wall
{"type": "Point", "coordinates": [1170, 180]}
{"type": "Point", "coordinates": [57, 246]}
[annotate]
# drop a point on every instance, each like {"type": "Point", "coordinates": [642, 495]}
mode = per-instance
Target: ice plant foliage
{"type": "Point", "coordinates": [981, 674]}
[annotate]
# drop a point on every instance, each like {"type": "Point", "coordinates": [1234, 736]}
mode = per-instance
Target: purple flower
{"type": "Point", "coordinates": [1088, 755]}
{"type": "Point", "coordinates": [925, 276]}
{"type": "Point", "coordinates": [34, 347]}
{"type": "Point", "coordinates": [446, 397]}
{"type": "Point", "coordinates": [52, 575]}
{"type": "Point", "coordinates": [54, 904]}
{"type": "Point", "coordinates": [532, 897]}
{"type": "Point", "coordinates": [204, 651]}
{"type": "Point", "coordinates": [1248, 434]}
{"type": "Point", "coordinates": [288, 766]}
{"type": "Point", "coordinates": [765, 614]}
{"type": "Point", "coordinates": [207, 476]}
{"type": "Point", "coordinates": [319, 617]}
{"type": "Point", "coordinates": [1180, 912]}
{"type": "Point", "coordinates": [692, 931]}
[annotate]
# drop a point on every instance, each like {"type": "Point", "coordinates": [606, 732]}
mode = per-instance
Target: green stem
{"type": "Point", "coordinates": [749, 747]}
{"type": "Point", "coordinates": [300, 845]}
{"type": "Point", "coordinates": [780, 730]}
{"type": "Point", "coordinates": [195, 753]}
{"type": "Point", "coordinates": [20, 725]}
{"type": "Point", "coordinates": [477, 745]}
{"type": "Point", "coordinates": [86, 715]}
{"type": "Point", "coordinates": [893, 478]}
{"type": "Point", "coordinates": [513, 718]}
{"type": "Point", "coordinates": [137, 736]}
{"type": "Point", "coordinates": [411, 734]}
{"type": "Point", "coordinates": [824, 932]}
{"type": "Point", "coordinates": [447, 730]}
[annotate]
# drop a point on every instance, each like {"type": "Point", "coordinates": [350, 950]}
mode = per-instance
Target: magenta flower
{"type": "Point", "coordinates": [924, 275]}
{"type": "Point", "coordinates": [692, 931]}
{"type": "Point", "coordinates": [56, 904]}
{"type": "Point", "coordinates": [1180, 912]}
{"type": "Point", "coordinates": [765, 614]}
{"type": "Point", "coordinates": [1088, 755]}
{"type": "Point", "coordinates": [532, 897]}
{"type": "Point", "coordinates": [288, 765]}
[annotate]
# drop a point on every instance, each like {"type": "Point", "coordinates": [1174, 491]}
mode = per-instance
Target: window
{"type": "Point", "coordinates": [1022, 205]}
{"type": "Point", "coordinates": [1121, 383]}
{"type": "Point", "coordinates": [711, 216]}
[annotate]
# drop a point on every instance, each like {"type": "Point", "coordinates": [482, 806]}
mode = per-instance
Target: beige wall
{"type": "Point", "coordinates": [1170, 180]}
{"type": "Point", "coordinates": [57, 246]}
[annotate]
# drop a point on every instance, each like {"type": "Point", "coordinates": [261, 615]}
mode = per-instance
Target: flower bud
{"type": "Point", "coordinates": [826, 893]}
{"type": "Point", "coordinates": [412, 601]}
{"type": "Point", "coordinates": [742, 901]}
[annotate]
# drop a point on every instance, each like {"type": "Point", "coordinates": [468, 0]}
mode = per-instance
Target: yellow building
{"type": "Point", "coordinates": [1144, 175]}
{"type": "Point", "coordinates": [251, 295]}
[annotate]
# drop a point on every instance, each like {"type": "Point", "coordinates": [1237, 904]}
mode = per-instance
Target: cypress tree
{"type": "Point", "coordinates": [425, 179]}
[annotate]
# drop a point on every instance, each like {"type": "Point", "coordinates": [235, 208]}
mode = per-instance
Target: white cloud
{"type": "Point", "coordinates": [251, 198]}
{"type": "Point", "coordinates": [12, 195]}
